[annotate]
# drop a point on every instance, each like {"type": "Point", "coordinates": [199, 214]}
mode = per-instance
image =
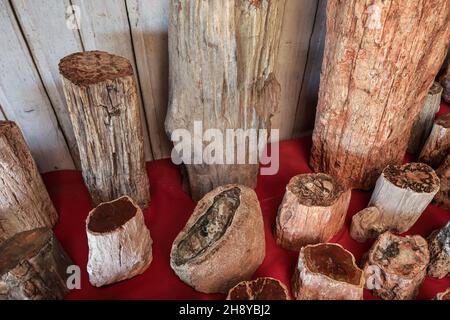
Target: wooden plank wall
{"type": "Point", "coordinates": [37, 37]}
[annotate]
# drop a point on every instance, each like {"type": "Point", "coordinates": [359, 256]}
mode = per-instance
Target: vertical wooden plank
{"type": "Point", "coordinates": [49, 40]}
{"type": "Point", "coordinates": [105, 26]}
{"type": "Point", "coordinates": [24, 100]}
{"type": "Point", "coordinates": [298, 22]}
{"type": "Point", "coordinates": [148, 21]}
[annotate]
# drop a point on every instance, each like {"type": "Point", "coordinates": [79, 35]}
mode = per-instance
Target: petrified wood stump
{"type": "Point", "coordinates": [313, 210]}
{"type": "Point", "coordinates": [443, 295]}
{"type": "Point", "coordinates": [33, 266]}
{"type": "Point", "coordinates": [373, 82]}
{"type": "Point", "coordinates": [24, 201]}
{"type": "Point", "coordinates": [442, 198]}
{"type": "Point", "coordinates": [402, 193]}
{"type": "Point", "coordinates": [437, 146]}
{"type": "Point", "coordinates": [120, 246]}
{"type": "Point", "coordinates": [396, 266]}
{"type": "Point", "coordinates": [223, 241]}
{"type": "Point", "coordinates": [104, 108]}
{"type": "Point", "coordinates": [222, 73]}
{"type": "Point", "coordinates": [367, 224]}
{"type": "Point", "coordinates": [439, 247]}
{"type": "Point", "coordinates": [259, 289]}
{"type": "Point", "coordinates": [327, 271]}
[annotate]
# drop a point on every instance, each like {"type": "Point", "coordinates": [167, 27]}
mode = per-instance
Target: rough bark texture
{"type": "Point", "coordinates": [442, 198]}
{"type": "Point", "coordinates": [120, 246]}
{"type": "Point", "coordinates": [223, 241]}
{"type": "Point", "coordinates": [24, 201]}
{"type": "Point", "coordinates": [104, 109]}
{"type": "Point", "coordinates": [437, 146]}
{"type": "Point", "coordinates": [402, 193]}
{"type": "Point", "coordinates": [313, 210]}
{"type": "Point", "coordinates": [367, 224]}
{"type": "Point", "coordinates": [396, 266]}
{"type": "Point", "coordinates": [222, 65]}
{"type": "Point", "coordinates": [439, 247]}
{"type": "Point", "coordinates": [259, 289]}
{"type": "Point", "coordinates": [380, 60]}
{"type": "Point", "coordinates": [33, 266]}
{"type": "Point", "coordinates": [327, 272]}
{"type": "Point", "coordinates": [424, 120]}
{"type": "Point", "coordinates": [443, 295]}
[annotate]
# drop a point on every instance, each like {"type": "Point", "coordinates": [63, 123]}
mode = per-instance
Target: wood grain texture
{"type": "Point", "coordinates": [439, 247]}
{"type": "Point", "coordinates": [437, 146]}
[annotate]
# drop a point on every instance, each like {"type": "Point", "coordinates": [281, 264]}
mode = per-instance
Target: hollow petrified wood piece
{"type": "Point", "coordinates": [396, 266]}
{"type": "Point", "coordinates": [120, 246]}
{"type": "Point", "coordinates": [402, 193]}
{"type": "Point", "coordinates": [442, 198]}
{"type": "Point", "coordinates": [24, 201]}
{"type": "Point", "coordinates": [33, 266]}
{"type": "Point", "coordinates": [104, 109]}
{"type": "Point", "coordinates": [367, 224]}
{"type": "Point", "coordinates": [223, 241]}
{"type": "Point", "coordinates": [439, 247]}
{"type": "Point", "coordinates": [259, 289]}
{"type": "Point", "coordinates": [443, 295]}
{"type": "Point", "coordinates": [327, 271]}
{"type": "Point", "coordinates": [313, 210]}
{"type": "Point", "coordinates": [437, 146]}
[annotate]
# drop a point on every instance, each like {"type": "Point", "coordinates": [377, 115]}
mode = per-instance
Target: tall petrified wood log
{"type": "Point", "coordinates": [120, 246]}
{"type": "Point", "coordinates": [222, 64]}
{"type": "Point", "coordinates": [313, 210]}
{"type": "Point", "coordinates": [223, 241]}
{"type": "Point", "coordinates": [442, 198]}
{"type": "Point", "coordinates": [259, 289]}
{"type": "Point", "coordinates": [396, 266]}
{"type": "Point", "coordinates": [439, 247]}
{"type": "Point", "coordinates": [443, 295]}
{"type": "Point", "coordinates": [33, 266]}
{"type": "Point", "coordinates": [24, 201]}
{"type": "Point", "coordinates": [380, 60]}
{"type": "Point", "coordinates": [437, 146]}
{"type": "Point", "coordinates": [104, 108]}
{"type": "Point", "coordinates": [327, 271]}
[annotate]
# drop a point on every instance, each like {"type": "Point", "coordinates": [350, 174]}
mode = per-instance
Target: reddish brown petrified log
{"type": "Point", "coordinates": [442, 198]}
{"type": "Point", "coordinates": [313, 210]}
{"type": "Point", "coordinates": [437, 146]}
{"type": "Point", "coordinates": [439, 247]}
{"type": "Point", "coordinates": [259, 289]}
{"type": "Point", "coordinates": [374, 81]}
{"type": "Point", "coordinates": [327, 272]}
{"type": "Point", "coordinates": [443, 295]}
{"type": "Point", "coordinates": [223, 242]}
{"type": "Point", "coordinates": [396, 266]}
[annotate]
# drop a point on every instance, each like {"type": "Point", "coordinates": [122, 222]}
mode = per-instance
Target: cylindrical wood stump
{"type": "Point", "coordinates": [437, 146]}
{"type": "Point", "coordinates": [259, 289]}
{"type": "Point", "coordinates": [439, 247]}
{"type": "Point", "coordinates": [402, 193]}
{"type": "Point", "coordinates": [120, 246]}
{"type": "Point", "coordinates": [33, 266]}
{"type": "Point", "coordinates": [379, 62]}
{"type": "Point", "coordinates": [223, 241]}
{"type": "Point", "coordinates": [104, 109]}
{"type": "Point", "coordinates": [442, 198]}
{"type": "Point", "coordinates": [367, 224]}
{"type": "Point", "coordinates": [313, 210]}
{"type": "Point", "coordinates": [24, 201]}
{"type": "Point", "coordinates": [443, 295]}
{"type": "Point", "coordinates": [396, 266]}
{"type": "Point", "coordinates": [327, 271]}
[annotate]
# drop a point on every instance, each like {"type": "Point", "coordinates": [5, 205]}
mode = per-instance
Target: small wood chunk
{"type": "Point", "coordinates": [120, 246]}
{"type": "Point", "coordinates": [439, 247]}
{"type": "Point", "coordinates": [327, 271]}
{"type": "Point", "coordinates": [396, 266]}
{"type": "Point", "coordinates": [437, 146]}
{"type": "Point", "coordinates": [402, 193]}
{"type": "Point", "coordinates": [313, 210]}
{"type": "Point", "coordinates": [259, 289]}
{"type": "Point", "coordinates": [24, 201]}
{"type": "Point", "coordinates": [443, 295]}
{"type": "Point", "coordinates": [223, 241]}
{"type": "Point", "coordinates": [366, 224]}
{"type": "Point", "coordinates": [442, 198]}
{"type": "Point", "coordinates": [33, 266]}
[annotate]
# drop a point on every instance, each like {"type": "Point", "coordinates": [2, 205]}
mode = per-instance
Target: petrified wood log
{"type": "Point", "coordinates": [223, 241]}
{"type": "Point", "coordinates": [313, 210]}
{"type": "Point", "coordinates": [402, 193]}
{"type": "Point", "coordinates": [439, 247]}
{"type": "Point", "coordinates": [120, 246]}
{"type": "Point", "coordinates": [259, 289]}
{"type": "Point", "coordinates": [24, 201]}
{"type": "Point", "coordinates": [445, 83]}
{"type": "Point", "coordinates": [367, 224]}
{"type": "Point", "coordinates": [396, 266]}
{"type": "Point", "coordinates": [327, 271]}
{"type": "Point", "coordinates": [442, 198]}
{"type": "Point", "coordinates": [33, 266]}
{"type": "Point", "coordinates": [373, 85]}
{"type": "Point", "coordinates": [424, 120]}
{"type": "Point", "coordinates": [104, 109]}
{"type": "Point", "coordinates": [443, 295]}
{"type": "Point", "coordinates": [236, 45]}
{"type": "Point", "coordinates": [437, 146]}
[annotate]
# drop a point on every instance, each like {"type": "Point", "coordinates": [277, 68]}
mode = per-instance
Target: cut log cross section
{"type": "Point", "coordinates": [259, 289]}
{"type": "Point", "coordinates": [437, 146]}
